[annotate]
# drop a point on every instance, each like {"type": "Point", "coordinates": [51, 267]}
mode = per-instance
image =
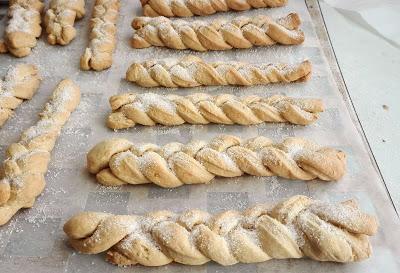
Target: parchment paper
{"type": "Point", "coordinates": [34, 241]}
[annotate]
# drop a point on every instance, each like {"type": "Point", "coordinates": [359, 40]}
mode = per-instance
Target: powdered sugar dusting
{"type": "Point", "coordinates": [20, 19]}
{"type": "Point", "coordinates": [8, 83]}
{"type": "Point", "coordinates": [60, 99]}
{"type": "Point", "coordinates": [145, 101]}
{"type": "Point", "coordinates": [42, 127]}
{"type": "Point", "coordinates": [121, 156]}
{"type": "Point", "coordinates": [295, 150]}
{"type": "Point", "coordinates": [228, 162]}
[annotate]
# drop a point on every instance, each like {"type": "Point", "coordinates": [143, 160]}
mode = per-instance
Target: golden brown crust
{"type": "Point", "coordinates": [20, 83]}
{"type": "Point", "coordinates": [241, 32]}
{"type": "Point", "coordinates": [23, 26]}
{"type": "Point", "coordinates": [187, 8]}
{"type": "Point", "coordinates": [294, 228]}
{"type": "Point", "coordinates": [103, 29]}
{"type": "Point", "coordinates": [192, 71]}
{"type": "Point", "coordinates": [150, 109]}
{"type": "Point", "coordinates": [118, 161]}
{"type": "Point", "coordinates": [59, 20]}
{"type": "Point", "coordinates": [22, 179]}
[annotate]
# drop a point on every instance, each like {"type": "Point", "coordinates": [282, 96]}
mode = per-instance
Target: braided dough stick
{"type": "Point", "coordinates": [294, 228]}
{"type": "Point", "coordinates": [187, 8]}
{"type": "Point", "coordinates": [192, 71]}
{"type": "Point", "coordinates": [23, 26]}
{"type": "Point", "coordinates": [220, 34]}
{"type": "Point", "coordinates": [22, 175]}
{"type": "Point", "coordinates": [20, 83]}
{"type": "Point", "coordinates": [149, 109]}
{"type": "Point", "coordinates": [103, 25]}
{"type": "Point", "coordinates": [60, 18]}
{"type": "Point", "coordinates": [118, 161]}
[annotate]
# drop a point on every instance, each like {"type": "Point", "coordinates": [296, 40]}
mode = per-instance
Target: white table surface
{"type": "Point", "coordinates": [371, 69]}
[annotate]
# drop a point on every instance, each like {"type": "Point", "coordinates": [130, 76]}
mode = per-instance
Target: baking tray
{"type": "Point", "coordinates": [34, 241]}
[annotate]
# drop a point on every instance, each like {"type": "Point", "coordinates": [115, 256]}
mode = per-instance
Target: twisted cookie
{"type": "Point", "coordinates": [117, 161]}
{"type": "Point", "coordinates": [59, 20]}
{"type": "Point", "coordinates": [220, 34]}
{"type": "Point", "coordinates": [294, 228]}
{"type": "Point", "coordinates": [199, 108]}
{"type": "Point", "coordinates": [23, 26]}
{"type": "Point", "coordinates": [187, 8]}
{"type": "Point", "coordinates": [192, 71]}
{"type": "Point", "coordinates": [20, 83]}
{"type": "Point", "coordinates": [103, 25]}
{"type": "Point", "coordinates": [22, 174]}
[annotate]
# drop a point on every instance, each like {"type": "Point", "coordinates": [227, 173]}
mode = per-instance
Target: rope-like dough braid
{"type": "Point", "coordinates": [220, 34]}
{"type": "Point", "coordinates": [294, 228]}
{"type": "Point", "coordinates": [149, 109]}
{"type": "Point", "coordinates": [187, 8]}
{"type": "Point", "coordinates": [60, 18]}
{"type": "Point", "coordinates": [118, 161]}
{"type": "Point", "coordinates": [20, 83]}
{"type": "Point", "coordinates": [103, 25]}
{"type": "Point", "coordinates": [22, 173]}
{"type": "Point", "coordinates": [192, 71]}
{"type": "Point", "coordinates": [23, 26]}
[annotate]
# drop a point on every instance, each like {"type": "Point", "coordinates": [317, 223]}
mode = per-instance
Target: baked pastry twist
{"type": "Point", "coordinates": [294, 228]}
{"type": "Point", "coordinates": [60, 18]}
{"type": "Point", "coordinates": [118, 161]}
{"type": "Point", "coordinates": [22, 173]}
{"type": "Point", "coordinates": [220, 34]}
{"type": "Point", "coordinates": [192, 71]}
{"type": "Point", "coordinates": [187, 8]}
{"type": "Point", "coordinates": [149, 109]}
{"type": "Point", "coordinates": [103, 31]}
{"type": "Point", "coordinates": [20, 83]}
{"type": "Point", "coordinates": [23, 26]}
